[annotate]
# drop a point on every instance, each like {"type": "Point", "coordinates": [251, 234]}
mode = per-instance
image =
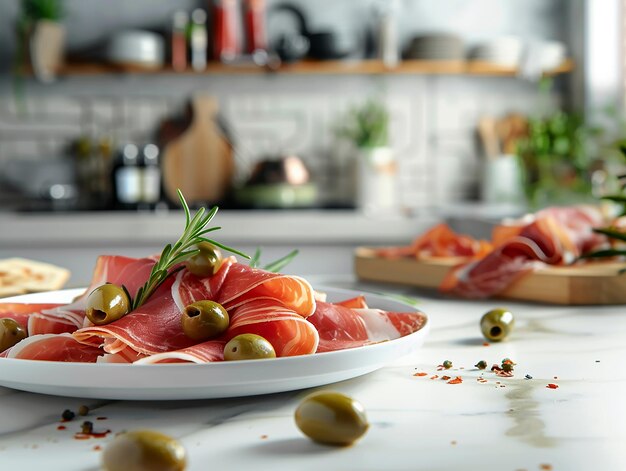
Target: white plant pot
{"type": "Point", "coordinates": [377, 185]}
{"type": "Point", "coordinates": [47, 49]}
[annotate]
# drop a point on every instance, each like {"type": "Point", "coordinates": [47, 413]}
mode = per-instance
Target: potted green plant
{"type": "Point", "coordinates": [41, 38]}
{"type": "Point", "coordinates": [367, 128]}
{"type": "Point", "coordinates": [556, 160]}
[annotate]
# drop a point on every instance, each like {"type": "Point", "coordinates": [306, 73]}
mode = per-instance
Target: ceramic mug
{"type": "Point", "coordinates": [502, 180]}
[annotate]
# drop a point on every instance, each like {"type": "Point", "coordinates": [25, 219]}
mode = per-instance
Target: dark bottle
{"type": "Point", "coordinates": [127, 178]}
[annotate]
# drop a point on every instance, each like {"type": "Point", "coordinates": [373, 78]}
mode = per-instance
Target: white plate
{"type": "Point", "coordinates": [204, 381]}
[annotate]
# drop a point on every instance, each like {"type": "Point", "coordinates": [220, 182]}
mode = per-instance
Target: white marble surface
{"type": "Point", "coordinates": [417, 423]}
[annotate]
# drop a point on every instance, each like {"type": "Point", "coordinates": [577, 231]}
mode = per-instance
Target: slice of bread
{"type": "Point", "coordinates": [20, 275]}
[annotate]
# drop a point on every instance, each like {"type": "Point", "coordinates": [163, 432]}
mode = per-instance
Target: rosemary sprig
{"type": "Point", "coordinates": [274, 266]}
{"type": "Point", "coordinates": [172, 255]}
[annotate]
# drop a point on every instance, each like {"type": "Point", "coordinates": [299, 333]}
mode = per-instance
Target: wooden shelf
{"type": "Point", "coordinates": [345, 67]}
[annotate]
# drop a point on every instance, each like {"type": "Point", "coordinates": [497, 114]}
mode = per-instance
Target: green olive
{"type": "Point", "coordinates": [207, 262]}
{"type": "Point", "coordinates": [496, 325]}
{"type": "Point", "coordinates": [107, 303]}
{"type": "Point", "coordinates": [203, 320]}
{"type": "Point", "coordinates": [248, 347]}
{"type": "Point", "coordinates": [10, 333]}
{"type": "Point", "coordinates": [331, 418]}
{"type": "Point", "coordinates": [144, 450]}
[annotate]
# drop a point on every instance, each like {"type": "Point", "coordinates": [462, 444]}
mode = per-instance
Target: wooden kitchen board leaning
{"type": "Point", "coordinates": [200, 161]}
{"type": "Point", "coordinates": [594, 283]}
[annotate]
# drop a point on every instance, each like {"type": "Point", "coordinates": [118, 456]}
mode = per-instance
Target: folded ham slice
{"type": "Point", "coordinates": [21, 312]}
{"type": "Point", "coordinates": [53, 347]}
{"type": "Point", "coordinates": [554, 236]}
{"type": "Point", "coordinates": [341, 327]}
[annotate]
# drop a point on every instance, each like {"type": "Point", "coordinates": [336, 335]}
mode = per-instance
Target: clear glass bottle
{"type": "Point", "coordinates": [151, 177]}
{"type": "Point", "coordinates": [127, 178]}
{"type": "Point", "coordinates": [198, 40]}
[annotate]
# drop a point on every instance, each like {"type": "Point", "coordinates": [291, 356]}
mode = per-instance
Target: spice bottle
{"type": "Point", "coordinates": [256, 34]}
{"type": "Point", "coordinates": [179, 40]}
{"type": "Point", "coordinates": [226, 30]}
{"type": "Point", "coordinates": [388, 49]}
{"type": "Point", "coordinates": [198, 40]}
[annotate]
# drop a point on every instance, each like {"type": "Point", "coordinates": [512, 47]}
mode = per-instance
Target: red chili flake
{"type": "Point", "coordinates": [61, 427]}
{"type": "Point", "coordinates": [263, 437]}
{"type": "Point", "coordinates": [97, 448]}
{"type": "Point", "coordinates": [482, 380]}
{"type": "Point", "coordinates": [486, 344]}
{"type": "Point", "coordinates": [445, 378]}
{"type": "Point", "coordinates": [545, 467]}
{"type": "Point", "coordinates": [457, 380]}
{"type": "Point", "coordinates": [552, 386]}
{"type": "Point", "coordinates": [421, 373]}
{"type": "Point", "coordinates": [434, 377]}
{"type": "Point", "coordinates": [504, 374]}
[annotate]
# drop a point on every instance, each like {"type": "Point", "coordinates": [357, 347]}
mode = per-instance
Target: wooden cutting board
{"type": "Point", "coordinates": [200, 161]}
{"type": "Point", "coordinates": [592, 284]}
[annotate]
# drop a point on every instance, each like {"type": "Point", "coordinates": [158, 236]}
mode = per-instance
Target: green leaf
{"type": "Point", "coordinates": [604, 253]}
{"type": "Point", "coordinates": [612, 233]}
{"type": "Point", "coordinates": [254, 261]}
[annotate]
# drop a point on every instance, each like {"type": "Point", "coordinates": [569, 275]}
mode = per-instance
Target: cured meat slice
{"type": "Point", "coordinates": [130, 272]}
{"type": "Point", "coordinates": [341, 327]}
{"type": "Point", "coordinates": [21, 312]}
{"type": "Point", "coordinates": [235, 283]}
{"type": "Point", "coordinates": [289, 333]}
{"type": "Point", "coordinates": [205, 352]}
{"type": "Point", "coordinates": [439, 241]}
{"type": "Point", "coordinates": [265, 307]}
{"type": "Point", "coordinates": [53, 347]}
{"type": "Point", "coordinates": [555, 236]}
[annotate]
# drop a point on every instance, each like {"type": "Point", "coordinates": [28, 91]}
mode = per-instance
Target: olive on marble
{"type": "Point", "coordinates": [248, 347]}
{"type": "Point", "coordinates": [10, 333]}
{"type": "Point", "coordinates": [497, 324]}
{"type": "Point", "coordinates": [107, 303]}
{"type": "Point", "coordinates": [331, 418]}
{"type": "Point", "coordinates": [144, 450]}
{"type": "Point", "coordinates": [204, 319]}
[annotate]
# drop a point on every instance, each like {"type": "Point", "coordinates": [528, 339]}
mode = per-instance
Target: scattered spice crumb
{"type": "Point", "coordinates": [462, 368]}
{"type": "Point", "coordinates": [545, 467]}
{"type": "Point", "coordinates": [263, 437]}
{"type": "Point", "coordinates": [67, 415]}
{"type": "Point", "coordinates": [597, 361]}
{"type": "Point", "coordinates": [528, 377]}
{"type": "Point", "coordinates": [555, 377]}
{"type": "Point", "coordinates": [97, 448]}
{"type": "Point", "coordinates": [482, 380]}
{"type": "Point", "coordinates": [434, 377]}
{"type": "Point", "coordinates": [453, 442]}
{"type": "Point", "coordinates": [101, 418]}
{"type": "Point", "coordinates": [421, 373]}
{"type": "Point", "coordinates": [83, 410]}
{"type": "Point", "coordinates": [552, 386]}
{"type": "Point", "coordinates": [61, 427]}
{"type": "Point", "coordinates": [87, 427]}
{"type": "Point", "coordinates": [445, 378]}
{"type": "Point", "coordinates": [457, 380]}
{"type": "Point", "coordinates": [481, 365]}
{"type": "Point", "coordinates": [503, 385]}
{"type": "Point", "coordinates": [486, 344]}
{"type": "Point", "coordinates": [35, 446]}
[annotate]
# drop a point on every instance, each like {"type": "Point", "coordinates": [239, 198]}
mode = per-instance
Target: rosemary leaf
{"type": "Point", "coordinates": [279, 264]}
{"type": "Point", "coordinates": [604, 253]}
{"type": "Point", "coordinates": [612, 233]}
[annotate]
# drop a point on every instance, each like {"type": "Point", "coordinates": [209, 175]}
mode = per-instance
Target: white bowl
{"type": "Point", "coordinates": [136, 47]}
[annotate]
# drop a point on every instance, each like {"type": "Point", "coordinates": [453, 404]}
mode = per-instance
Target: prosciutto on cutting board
{"type": "Point", "coordinates": [439, 241]}
{"type": "Point", "coordinates": [340, 326]}
{"type": "Point", "coordinates": [554, 236]}
{"type": "Point", "coordinates": [260, 302]}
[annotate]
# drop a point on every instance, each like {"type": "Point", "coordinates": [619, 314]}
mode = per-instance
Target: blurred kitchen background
{"type": "Point", "coordinates": [314, 125]}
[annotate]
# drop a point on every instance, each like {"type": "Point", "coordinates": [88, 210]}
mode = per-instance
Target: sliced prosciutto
{"type": "Point", "coordinates": [341, 327]}
{"type": "Point", "coordinates": [555, 236]}
{"type": "Point", "coordinates": [21, 312]}
{"type": "Point", "coordinates": [439, 241]}
{"type": "Point", "coordinates": [53, 347]}
{"type": "Point", "coordinates": [130, 272]}
{"type": "Point", "coordinates": [205, 352]}
{"type": "Point", "coordinates": [269, 304]}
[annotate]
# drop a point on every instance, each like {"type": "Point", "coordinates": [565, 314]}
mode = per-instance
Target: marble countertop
{"type": "Point", "coordinates": [484, 423]}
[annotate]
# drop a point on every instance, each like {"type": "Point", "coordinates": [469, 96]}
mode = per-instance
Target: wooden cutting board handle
{"type": "Point", "coordinates": [200, 161]}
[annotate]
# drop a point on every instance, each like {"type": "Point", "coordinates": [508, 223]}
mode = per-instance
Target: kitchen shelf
{"type": "Point", "coordinates": [335, 67]}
